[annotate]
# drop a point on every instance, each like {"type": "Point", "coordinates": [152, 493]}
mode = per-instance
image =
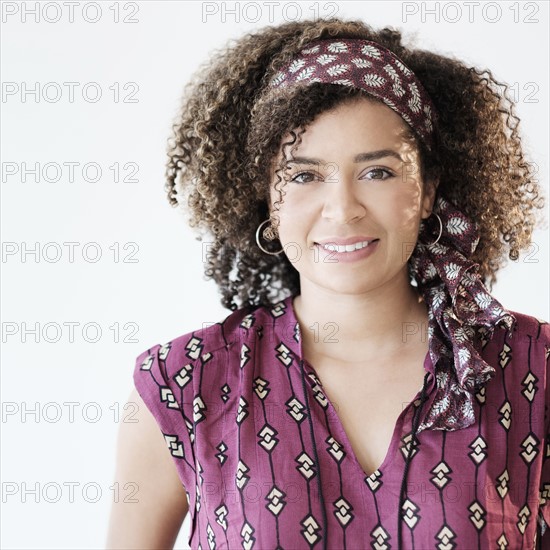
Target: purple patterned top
{"type": "Point", "coordinates": [253, 440]}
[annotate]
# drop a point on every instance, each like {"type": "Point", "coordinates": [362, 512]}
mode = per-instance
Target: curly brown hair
{"type": "Point", "coordinates": [230, 125]}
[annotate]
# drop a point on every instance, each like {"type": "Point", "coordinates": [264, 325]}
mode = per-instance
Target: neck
{"type": "Point", "coordinates": [385, 322]}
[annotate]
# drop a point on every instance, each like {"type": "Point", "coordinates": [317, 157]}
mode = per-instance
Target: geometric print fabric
{"type": "Point", "coordinates": [253, 441]}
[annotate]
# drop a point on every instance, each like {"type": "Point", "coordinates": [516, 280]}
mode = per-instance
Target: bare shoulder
{"type": "Point", "coordinates": [152, 502]}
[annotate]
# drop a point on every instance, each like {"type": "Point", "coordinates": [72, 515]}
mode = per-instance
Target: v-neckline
{"type": "Point", "coordinates": [343, 438]}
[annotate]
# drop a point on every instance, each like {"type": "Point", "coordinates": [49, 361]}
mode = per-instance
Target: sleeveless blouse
{"type": "Point", "coordinates": [266, 463]}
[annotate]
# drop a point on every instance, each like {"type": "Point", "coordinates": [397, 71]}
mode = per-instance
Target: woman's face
{"type": "Point", "coordinates": [356, 175]}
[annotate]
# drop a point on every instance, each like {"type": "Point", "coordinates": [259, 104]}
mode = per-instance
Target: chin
{"type": "Point", "coordinates": [346, 285]}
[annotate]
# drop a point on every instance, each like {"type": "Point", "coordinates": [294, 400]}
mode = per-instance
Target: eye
{"type": "Point", "coordinates": [378, 174]}
{"type": "Point", "coordinates": [299, 175]}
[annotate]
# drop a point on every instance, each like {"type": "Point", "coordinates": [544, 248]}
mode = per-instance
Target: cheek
{"type": "Point", "coordinates": [406, 209]}
{"type": "Point", "coordinates": [293, 221]}
{"type": "Point", "coordinates": [292, 206]}
{"type": "Point", "coordinates": [296, 220]}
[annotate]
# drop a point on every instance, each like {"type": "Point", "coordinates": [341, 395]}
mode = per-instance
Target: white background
{"type": "Point", "coordinates": [163, 294]}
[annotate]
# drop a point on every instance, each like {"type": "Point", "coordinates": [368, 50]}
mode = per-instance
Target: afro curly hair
{"type": "Point", "coordinates": [229, 128]}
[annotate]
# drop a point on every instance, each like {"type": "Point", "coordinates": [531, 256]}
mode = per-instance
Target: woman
{"type": "Point", "coordinates": [388, 401]}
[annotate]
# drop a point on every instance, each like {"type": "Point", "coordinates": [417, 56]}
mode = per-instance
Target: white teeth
{"type": "Point", "coordinates": [346, 248]}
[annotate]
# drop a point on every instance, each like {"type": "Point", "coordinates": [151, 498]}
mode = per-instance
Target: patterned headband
{"type": "Point", "coordinates": [369, 66]}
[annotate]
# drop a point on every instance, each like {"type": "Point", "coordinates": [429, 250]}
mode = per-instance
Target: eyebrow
{"type": "Point", "coordinates": [361, 157]}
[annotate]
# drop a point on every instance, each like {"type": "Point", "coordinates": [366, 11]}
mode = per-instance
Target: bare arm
{"type": "Point", "coordinates": [143, 458]}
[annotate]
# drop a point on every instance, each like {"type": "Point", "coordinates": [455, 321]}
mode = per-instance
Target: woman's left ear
{"type": "Point", "coordinates": [430, 190]}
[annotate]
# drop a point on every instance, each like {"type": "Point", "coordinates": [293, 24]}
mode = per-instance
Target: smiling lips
{"type": "Point", "coordinates": [346, 245]}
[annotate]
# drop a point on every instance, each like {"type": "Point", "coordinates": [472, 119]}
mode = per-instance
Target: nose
{"type": "Point", "coordinates": [341, 203]}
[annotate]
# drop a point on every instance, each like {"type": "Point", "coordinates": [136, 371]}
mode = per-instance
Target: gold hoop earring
{"type": "Point", "coordinates": [440, 230]}
{"type": "Point", "coordinates": [258, 240]}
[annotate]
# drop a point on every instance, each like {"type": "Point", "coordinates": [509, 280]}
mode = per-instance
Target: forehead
{"type": "Point", "coordinates": [354, 126]}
